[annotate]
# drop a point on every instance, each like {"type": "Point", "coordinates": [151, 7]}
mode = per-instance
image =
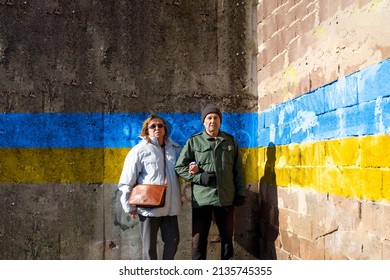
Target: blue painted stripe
{"type": "Point", "coordinates": [50, 130]}
{"type": "Point", "coordinates": [356, 105]}
{"type": "Point", "coordinates": [80, 130]}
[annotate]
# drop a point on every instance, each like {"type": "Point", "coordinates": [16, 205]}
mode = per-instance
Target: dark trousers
{"type": "Point", "coordinates": [169, 234]}
{"type": "Point", "coordinates": [201, 222]}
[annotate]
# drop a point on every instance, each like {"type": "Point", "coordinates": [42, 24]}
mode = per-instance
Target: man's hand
{"type": "Point", "coordinates": [207, 178]}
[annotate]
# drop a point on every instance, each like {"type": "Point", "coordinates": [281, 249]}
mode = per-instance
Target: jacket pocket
{"type": "Point", "coordinates": [204, 156]}
{"type": "Point", "coordinates": [227, 154]}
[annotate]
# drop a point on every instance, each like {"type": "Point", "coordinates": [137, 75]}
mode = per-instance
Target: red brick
{"type": "Point", "coordinates": [278, 64]}
{"type": "Point", "coordinates": [276, 43]}
{"type": "Point", "coordinates": [304, 85]}
{"type": "Point", "coordinates": [285, 217]}
{"type": "Point", "coordinates": [300, 10]}
{"type": "Point", "coordinates": [289, 197]}
{"type": "Point", "coordinates": [284, 256]}
{"type": "Point", "coordinates": [311, 7]}
{"type": "Point", "coordinates": [327, 9]}
{"type": "Point", "coordinates": [290, 17]}
{"type": "Point", "coordinates": [317, 77]}
{"type": "Point", "coordinates": [269, 27]}
{"type": "Point", "coordinates": [286, 6]}
{"type": "Point", "coordinates": [312, 250]}
{"type": "Point", "coordinates": [308, 23]}
{"type": "Point", "coordinates": [263, 73]}
{"type": "Point", "coordinates": [290, 33]}
{"type": "Point", "coordinates": [265, 102]}
{"type": "Point", "coordinates": [280, 43]}
{"type": "Point", "coordinates": [259, 33]}
{"type": "Point", "coordinates": [270, 50]}
{"type": "Point", "coordinates": [278, 97]}
{"type": "Point", "coordinates": [290, 242]}
{"type": "Point", "coordinates": [280, 19]}
{"type": "Point", "coordinates": [268, 7]}
{"type": "Point", "coordinates": [259, 61]}
{"type": "Point", "coordinates": [294, 50]}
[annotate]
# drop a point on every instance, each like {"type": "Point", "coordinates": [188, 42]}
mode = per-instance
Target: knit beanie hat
{"type": "Point", "coordinates": [211, 109]}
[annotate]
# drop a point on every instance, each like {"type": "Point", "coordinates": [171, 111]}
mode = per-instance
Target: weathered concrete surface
{"type": "Point", "coordinates": [51, 222]}
{"type": "Point", "coordinates": [137, 56]}
{"type": "Point", "coordinates": [111, 56]}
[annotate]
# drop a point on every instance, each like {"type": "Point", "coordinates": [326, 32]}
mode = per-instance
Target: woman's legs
{"type": "Point", "coordinates": [149, 229]}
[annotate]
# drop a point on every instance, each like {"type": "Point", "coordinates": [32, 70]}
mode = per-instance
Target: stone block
{"type": "Point", "coordinates": [312, 250]}
{"type": "Point", "coordinates": [373, 221]}
{"type": "Point", "coordinates": [290, 242]}
{"type": "Point", "coordinates": [374, 151]}
{"type": "Point", "coordinates": [345, 152]}
{"type": "Point", "coordinates": [386, 250]}
{"type": "Point", "coordinates": [288, 198]}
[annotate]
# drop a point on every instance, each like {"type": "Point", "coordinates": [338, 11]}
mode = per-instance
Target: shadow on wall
{"type": "Point", "coordinates": [269, 214]}
{"type": "Point", "coordinates": [246, 232]}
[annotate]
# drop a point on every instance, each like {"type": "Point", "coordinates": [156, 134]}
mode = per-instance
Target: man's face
{"type": "Point", "coordinates": [212, 123]}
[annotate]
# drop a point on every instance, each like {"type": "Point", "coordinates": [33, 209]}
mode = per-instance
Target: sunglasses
{"type": "Point", "coordinates": [153, 126]}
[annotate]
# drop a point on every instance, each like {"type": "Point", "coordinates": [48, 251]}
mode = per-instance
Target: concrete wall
{"type": "Point", "coordinates": [323, 72]}
{"type": "Point", "coordinates": [77, 78]}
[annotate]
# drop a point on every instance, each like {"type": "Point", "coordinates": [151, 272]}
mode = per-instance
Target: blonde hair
{"type": "Point", "coordinates": [145, 127]}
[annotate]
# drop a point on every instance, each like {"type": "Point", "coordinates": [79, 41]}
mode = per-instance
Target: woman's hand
{"type": "Point", "coordinates": [133, 213]}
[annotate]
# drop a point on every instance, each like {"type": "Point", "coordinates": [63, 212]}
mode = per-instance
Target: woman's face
{"type": "Point", "coordinates": [156, 129]}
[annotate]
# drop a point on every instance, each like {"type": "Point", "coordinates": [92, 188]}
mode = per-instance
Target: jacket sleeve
{"type": "Point", "coordinates": [128, 179]}
{"type": "Point", "coordinates": [185, 158]}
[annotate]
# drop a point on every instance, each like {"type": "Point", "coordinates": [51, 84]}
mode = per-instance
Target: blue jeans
{"type": "Point", "coordinates": [201, 222]}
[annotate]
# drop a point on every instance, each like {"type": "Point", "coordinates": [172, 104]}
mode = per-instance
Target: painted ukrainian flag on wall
{"type": "Point", "coordinates": [334, 140]}
{"type": "Point", "coordinates": [91, 148]}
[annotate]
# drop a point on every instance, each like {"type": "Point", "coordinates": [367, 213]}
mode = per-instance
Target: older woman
{"type": "Point", "coordinates": [152, 161]}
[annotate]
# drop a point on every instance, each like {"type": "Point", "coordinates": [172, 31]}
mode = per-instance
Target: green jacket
{"type": "Point", "coordinates": [220, 156]}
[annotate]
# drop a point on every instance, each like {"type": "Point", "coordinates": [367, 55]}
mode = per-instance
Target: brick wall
{"type": "Point", "coordinates": [305, 44]}
{"type": "Point", "coordinates": [323, 129]}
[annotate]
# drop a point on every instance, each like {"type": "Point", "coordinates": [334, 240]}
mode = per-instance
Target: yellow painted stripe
{"type": "Point", "coordinates": [29, 165]}
{"type": "Point", "coordinates": [353, 167]}
{"type": "Point", "coordinates": [113, 164]}
{"type": "Point", "coordinates": [77, 165]}
{"type": "Point", "coordinates": [250, 158]}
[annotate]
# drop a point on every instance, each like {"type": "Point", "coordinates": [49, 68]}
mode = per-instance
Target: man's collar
{"type": "Point", "coordinates": [207, 136]}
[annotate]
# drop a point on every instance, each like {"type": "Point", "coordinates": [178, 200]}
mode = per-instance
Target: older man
{"type": "Point", "coordinates": [211, 162]}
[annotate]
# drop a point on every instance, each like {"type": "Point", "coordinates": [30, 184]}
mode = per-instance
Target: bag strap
{"type": "Point", "coordinates": [165, 167]}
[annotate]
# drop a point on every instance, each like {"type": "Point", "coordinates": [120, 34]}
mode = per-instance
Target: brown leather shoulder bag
{"type": "Point", "coordinates": [148, 195]}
